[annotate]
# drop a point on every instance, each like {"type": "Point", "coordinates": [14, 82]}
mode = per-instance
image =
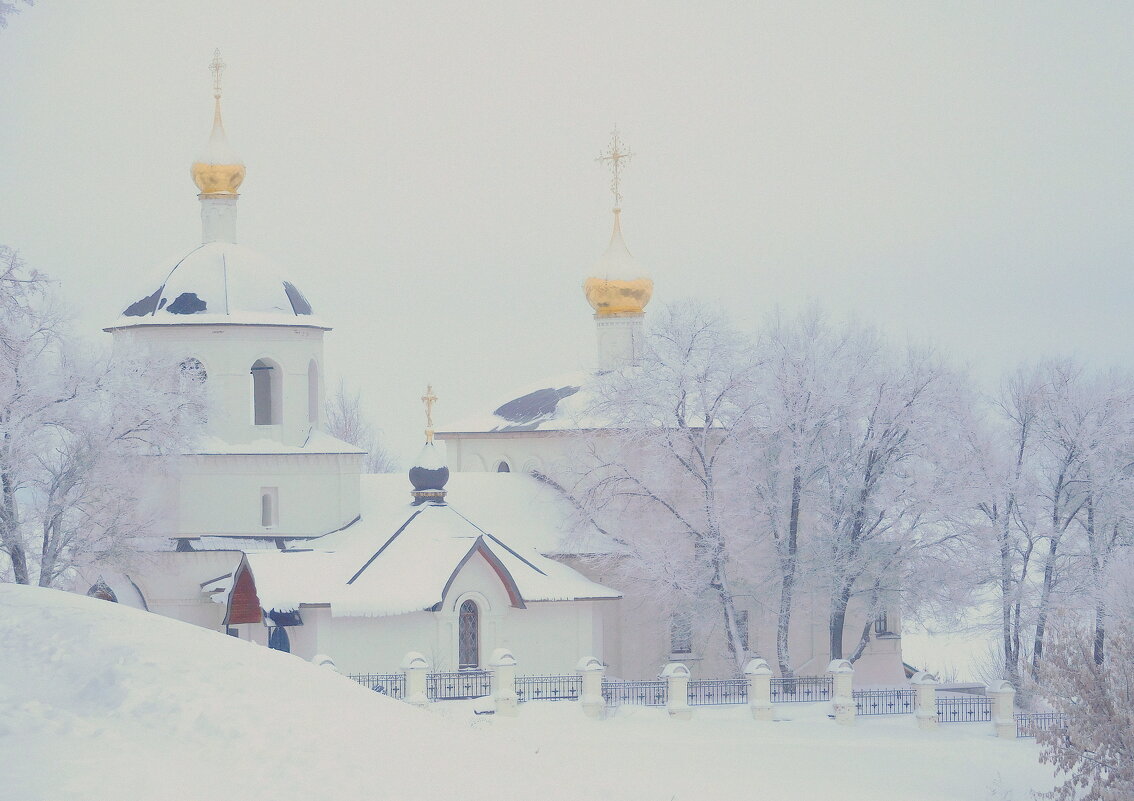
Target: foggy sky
{"type": "Point", "coordinates": [960, 173]}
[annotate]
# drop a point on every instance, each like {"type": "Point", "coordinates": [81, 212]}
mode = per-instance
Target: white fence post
{"type": "Point", "coordinates": [591, 671]}
{"type": "Point", "coordinates": [842, 677]}
{"type": "Point", "coordinates": [925, 705]}
{"type": "Point", "coordinates": [415, 667]}
{"type": "Point", "coordinates": [1003, 708]}
{"type": "Point", "coordinates": [759, 689]}
{"type": "Point", "coordinates": [676, 676]}
{"type": "Point", "coordinates": [503, 666]}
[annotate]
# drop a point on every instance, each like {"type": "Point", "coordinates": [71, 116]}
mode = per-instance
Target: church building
{"type": "Point", "coordinates": [276, 536]}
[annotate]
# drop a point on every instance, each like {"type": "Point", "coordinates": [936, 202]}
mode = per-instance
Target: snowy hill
{"type": "Point", "coordinates": [101, 701]}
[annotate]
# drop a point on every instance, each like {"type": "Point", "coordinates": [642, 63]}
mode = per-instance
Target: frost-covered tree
{"type": "Point", "coordinates": [887, 479]}
{"type": "Point", "coordinates": [668, 454]}
{"type": "Point", "coordinates": [7, 8]}
{"type": "Point", "coordinates": [77, 435]}
{"type": "Point", "coordinates": [1095, 752]}
{"type": "Point", "coordinates": [346, 421]}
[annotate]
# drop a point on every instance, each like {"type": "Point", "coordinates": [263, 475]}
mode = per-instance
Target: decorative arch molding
{"type": "Point", "coordinates": [533, 465]}
{"type": "Point", "coordinates": [502, 573]}
{"type": "Point", "coordinates": [314, 392]}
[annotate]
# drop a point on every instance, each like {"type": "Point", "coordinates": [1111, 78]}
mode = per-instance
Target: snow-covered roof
{"type": "Point", "coordinates": [555, 404]}
{"type": "Point", "coordinates": [219, 282]}
{"type": "Point", "coordinates": [401, 558]}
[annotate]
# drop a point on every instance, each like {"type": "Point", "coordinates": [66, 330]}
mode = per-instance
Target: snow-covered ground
{"type": "Point", "coordinates": [105, 702]}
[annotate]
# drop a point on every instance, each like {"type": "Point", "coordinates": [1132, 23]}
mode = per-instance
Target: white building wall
{"type": "Point", "coordinates": [228, 353]}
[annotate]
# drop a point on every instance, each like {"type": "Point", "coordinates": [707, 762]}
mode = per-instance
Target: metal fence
{"type": "Point", "coordinates": [458, 685]}
{"type": "Point", "coordinates": [1028, 724]}
{"type": "Point", "coordinates": [548, 688]}
{"type": "Point", "coordinates": [808, 688]}
{"type": "Point", "coordinates": [884, 702]}
{"type": "Point", "coordinates": [641, 693]}
{"type": "Point", "coordinates": [391, 684]}
{"type": "Point", "coordinates": [711, 692]}
{"type": "Point", "coordinates": [970, 709]}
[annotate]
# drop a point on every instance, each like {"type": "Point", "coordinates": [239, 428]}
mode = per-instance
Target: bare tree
{"type": "Point", "coordinates": [77, 432]}
{"type": "Point", "coordinates": [1095, 751]}
{"type": "Point", "coordinates": [346, 421]}
{"type": "Point", "coordinates": [669, 454]}
{"type": "Point", "coordinates": [8, 8]}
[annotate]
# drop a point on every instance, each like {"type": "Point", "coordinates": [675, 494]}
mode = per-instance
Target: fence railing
{"type": "Point", "coordinates": [640, 693]}
{"type": "Point", "coordinates": [391, 684]}
{"type": "Point", "coordinates": [807, 688]}
{"type": "Point", "coordinates": [884, 702]}
{"type": "Point", "coordinates": [548, 688]}
{"type": "Point", "coordinates": [971, 709]}
{"type": "Point", "coordinates": [712, 692]}
{"type": "Point", "coordinates": [1027, 724]}
{"type": "Point", "coordinates": [457, 685]}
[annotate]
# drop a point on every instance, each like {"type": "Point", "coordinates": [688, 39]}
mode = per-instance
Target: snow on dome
{"type": "Point", "coordinates": [220, 282]}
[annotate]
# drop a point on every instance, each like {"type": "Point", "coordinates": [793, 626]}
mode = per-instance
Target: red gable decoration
{"type": "Point", "coordinates": [243, 602]}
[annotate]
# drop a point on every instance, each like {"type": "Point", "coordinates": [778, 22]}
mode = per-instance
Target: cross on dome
{"type": "Point", "coordinates": [429, 399]}
{"type": "Point", "coordinates": [217, 66]}
{"type": "Point", "coordinates": [615, 155]}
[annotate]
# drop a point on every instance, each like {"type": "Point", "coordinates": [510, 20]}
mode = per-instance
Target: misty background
{"type": "Point", "coordinates": [960, 174]}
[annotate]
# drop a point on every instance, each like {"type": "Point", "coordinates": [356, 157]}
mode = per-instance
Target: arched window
{"type": "Point", "coordinates": [502, 467]}
{"type": "Point", "coordinates": [269, 506]}
{"type": "Point", "coordinates": [468, 636]}
{"type": "Point", "coordinates": [191, 378]}
{"type": "Point", "coordinates": [267, 389]}
{"type": "Point", "coordinates": [313, 393]}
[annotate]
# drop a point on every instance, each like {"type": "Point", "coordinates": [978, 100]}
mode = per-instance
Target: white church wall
{"type": "Point", "coordinates": [221, 494]}
{"type": "Point", "coordinates": [228, 353]}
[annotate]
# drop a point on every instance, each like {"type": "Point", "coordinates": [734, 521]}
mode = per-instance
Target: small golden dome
{"type": "Point", "coordinates": [619, 287]}
{"type": "Point", "coordinates": [614, 298]}
{"type": "Point", "coordinates": [219, 172]}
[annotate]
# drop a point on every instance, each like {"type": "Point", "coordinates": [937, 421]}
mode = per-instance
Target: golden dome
{"type": "Point", "coordinates": [619, 286]}
{"type": "Point", "coordinates": [219, 172]}
{"type": "Point", "coordinates": [614, 298]}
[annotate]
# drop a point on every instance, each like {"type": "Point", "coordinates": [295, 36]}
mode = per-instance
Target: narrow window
{"type": "Point", "coordinates": [681, 633]}
{"type": "Point", "coordinates": [468, 636]}
{"type": "Point", "coordinates": [269, 506]}
{"type": "Point", "coordinates": [266, 393]}
{"type": "Point", "coordinates": [503, 467]}
{"type": "Point", "coordinates": [881, 625]}
{"type": "Point", "coordinates": [313, 393]}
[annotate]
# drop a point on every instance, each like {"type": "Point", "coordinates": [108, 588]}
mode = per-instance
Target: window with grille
{"type": "Point", "coordinates": [681, 633]}
{"type": "Point", "coordinates": [468, 636]}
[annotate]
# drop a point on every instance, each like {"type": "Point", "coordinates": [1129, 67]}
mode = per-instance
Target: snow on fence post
{"type": "Point", "coordinates": [925, 699]}
{"type": "Point", "coordinates": [591, 671]}
{"type": "Point", "coordinates": [759, 689]}
{"type": "Point", "coordinates": [1003, 708]}
{"type": "Point", "coordinates": [503, 666]}
{"type": "Point", "coordinates": [415, 667]}
{"type": "Point", "coordinates": [676, 677]}
{"type": "Point", "coordinates": [842, 679]}
{"type": "Point", "coordinates": [322, 660]}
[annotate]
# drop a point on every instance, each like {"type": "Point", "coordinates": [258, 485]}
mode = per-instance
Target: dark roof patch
{"type": "Point", "coordinates": [187, 303]}
{"type": "Point", "coordinates": [535, 405]}
{"type": "Point", "coordinates": [147, 305]}
{"type": "Point", "coordinates": [299, 304]}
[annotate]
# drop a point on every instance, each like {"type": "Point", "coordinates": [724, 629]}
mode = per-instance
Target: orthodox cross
{"type": "Point", "coordinates": [429, 399]}
{"type": "Point", "coordinates": [217, 67]}
{"type": "Point", "coordinates": [615, 156]}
